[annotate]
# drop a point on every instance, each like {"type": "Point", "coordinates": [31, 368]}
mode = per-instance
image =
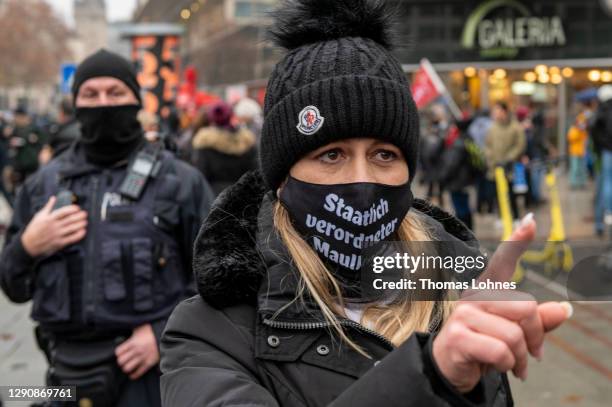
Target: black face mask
{"type": "Point", "coordinates": [341, 222]}
{"type": "Point", "coordinates": [109, 133]}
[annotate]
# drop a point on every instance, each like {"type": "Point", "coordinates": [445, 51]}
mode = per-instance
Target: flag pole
{"type": "Point", "coordinates": [441, 88]}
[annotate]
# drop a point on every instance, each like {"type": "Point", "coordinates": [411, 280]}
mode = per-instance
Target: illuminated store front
{"type": "Point", "coordinates": [523, 52]}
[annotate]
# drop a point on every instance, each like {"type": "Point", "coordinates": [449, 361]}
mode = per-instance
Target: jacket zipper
{"type": "Point", "coordinates": [344, 322]}
{"type": "Point", "coordinates": [91, 270]}
{"type": "Point", "coordinates": [321, 325]}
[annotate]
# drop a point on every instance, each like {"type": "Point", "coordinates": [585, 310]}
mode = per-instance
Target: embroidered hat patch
{"type": "Point", "coordinates": [310, 120]}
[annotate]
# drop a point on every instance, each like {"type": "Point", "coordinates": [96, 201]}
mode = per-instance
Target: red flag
{"type": "Point", "coordinates": [426, 85]}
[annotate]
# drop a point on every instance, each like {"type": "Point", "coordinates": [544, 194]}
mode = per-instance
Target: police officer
{"type": "Point", "coordinates": [25, 141]}
{"type": "Point", "coordinates": [62, 133]}
{"type": "Point", "coordinates": [101, 241]}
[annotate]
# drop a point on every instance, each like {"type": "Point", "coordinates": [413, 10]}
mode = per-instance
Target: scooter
{"type": "Point", "coordinates": [557, 255]}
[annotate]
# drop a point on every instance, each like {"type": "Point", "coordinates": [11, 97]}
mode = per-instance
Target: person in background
{"type": "Point", "coordinates": [62, 133]}
{"type": "Point", "coordinates": [150, 125]}
{"type": "Point", "coordinates": [25, 142]}
{"type": "Point", "coordinates": [248, 113]}
{"type": "Point", "coordinates": [485, 197]}
{"type": "Point", "coordinates": [523, 115]}
{"type": "Point", "coordinates": [588, 110]}
{"type": "Point", "coordinates": [505, 144]}
{"type": "Point", "coordinates": [153, 131]}
{"type": "Point", "coordinates": [222, 152]}
{"type": "Point", "coordinates": [170, 122]}
{"type": "Point", "coordinates": [185, 137]}
{"type": "Point", "coordinates": [431, 149]}
{"type": "Point", "coordinates": [601, 132]}
{"type": "Point", "coordinates": [480, 127]}
{"type": "Point", "coordinates": [457, 172]}
{"type": "Point", "coordinates": [577, 139]}
{"type": "Point", "coordinates": [538, 150]}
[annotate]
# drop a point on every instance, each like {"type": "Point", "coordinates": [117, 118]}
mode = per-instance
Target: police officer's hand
{"type": "Point", "coordinates": [496, 330]}
{"type": "Point", "coordinates": [51, 230]}
{"type": "Point", "coordinates": [139, 353]}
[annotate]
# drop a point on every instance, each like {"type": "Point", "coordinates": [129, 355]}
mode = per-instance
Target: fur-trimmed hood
{"type": "Point", "coordinates": [224, 141]}
{"type": "Point", "coordinates": [228, 266]}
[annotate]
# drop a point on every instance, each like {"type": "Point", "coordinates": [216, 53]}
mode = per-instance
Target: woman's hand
{"type": "Point", "coordinates": [497, 330]}
{"type": "Point", "coordinates": [498, 334]}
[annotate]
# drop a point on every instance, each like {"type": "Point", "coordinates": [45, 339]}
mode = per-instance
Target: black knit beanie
{"type": "Point", "coordinates": [105, 63]}
{"type": "Point", "coordinates": [337, 81]}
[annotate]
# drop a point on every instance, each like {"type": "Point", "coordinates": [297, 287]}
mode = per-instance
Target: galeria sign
{"type": "Point", "coordinates": [496, 34]}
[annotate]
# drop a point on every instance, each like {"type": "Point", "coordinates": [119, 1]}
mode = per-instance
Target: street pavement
{"type": "Point", "coordinates": [21, 362]}
{"type": "Point", "coordinates": [576, 369]}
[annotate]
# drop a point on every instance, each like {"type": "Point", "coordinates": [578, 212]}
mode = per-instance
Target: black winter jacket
{"type": "Point", "coordinates": [62, 136]}
{"type": "Point", "coordinates": [223, 156]}
{"type": "Point", "coordinates": [601, 129]}
{"type": "Point", "coordinates": [223, 348]}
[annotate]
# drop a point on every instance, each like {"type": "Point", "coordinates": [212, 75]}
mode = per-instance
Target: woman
{"type": "Point", "coordinates": [279, 321]}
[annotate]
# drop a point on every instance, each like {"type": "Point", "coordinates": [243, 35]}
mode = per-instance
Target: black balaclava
{"type": "Point", "coordinates": [109, 134]}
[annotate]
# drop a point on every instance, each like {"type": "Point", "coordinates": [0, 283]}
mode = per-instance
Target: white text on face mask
{"type": "Point", "coordinates": [335, 204]}
{"type": "Point", "coordinates": [358, 240]}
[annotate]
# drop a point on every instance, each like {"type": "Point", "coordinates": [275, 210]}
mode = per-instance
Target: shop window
{"type": "Point", "coordinates": [252, 8]}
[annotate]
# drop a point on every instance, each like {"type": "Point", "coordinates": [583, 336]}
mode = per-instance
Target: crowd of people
{"type": "Point", "coordinates": [220, 140]}
{"type": "Point", "coordinates": [460, 155]}
{"type": "Point", "coordinates": [456, 155]}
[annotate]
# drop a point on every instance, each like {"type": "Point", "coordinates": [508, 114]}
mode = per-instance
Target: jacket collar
{"type": "Point", "coordinates": [73, 163]}
{"type": "Point", "coordinates": [229, 264]}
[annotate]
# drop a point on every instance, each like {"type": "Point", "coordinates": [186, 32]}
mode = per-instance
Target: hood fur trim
{"type": "Point", "coordinates": [222, 140]}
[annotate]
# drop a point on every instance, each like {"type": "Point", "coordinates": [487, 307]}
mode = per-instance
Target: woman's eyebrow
{"type": "Point", "coordinates": [379, 143]}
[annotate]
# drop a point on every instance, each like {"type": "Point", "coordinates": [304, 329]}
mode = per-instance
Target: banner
{"type": "Point", "coordinates": [158, 62]}
{"type": "Point", "coordinates": [424, 89]}
{"type": "Point", "coordinates": [427, 87]}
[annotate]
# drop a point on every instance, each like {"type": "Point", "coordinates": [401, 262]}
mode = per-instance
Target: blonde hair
{"type": "Point", "coordinates": [395, 321]}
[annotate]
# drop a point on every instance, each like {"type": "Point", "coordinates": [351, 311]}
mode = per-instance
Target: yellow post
{"type": "Point", "coordinates": [503, 198]}
{"type": "Point", "coordinates": [557, 231]}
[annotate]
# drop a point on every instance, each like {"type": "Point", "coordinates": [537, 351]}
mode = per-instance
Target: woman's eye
{"type": "Point", "coordinates": [385, 155]}
{"type": "Point", "coordinates": [331, 156]}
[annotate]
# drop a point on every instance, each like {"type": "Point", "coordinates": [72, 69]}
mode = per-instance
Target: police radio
{"type": "Point", "coordinates": [64, 198]}
{"type": "Point", "coordinates": [139, 172]}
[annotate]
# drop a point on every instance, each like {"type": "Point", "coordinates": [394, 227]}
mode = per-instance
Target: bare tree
{"type": "Point", "coordinates": [34, 42]}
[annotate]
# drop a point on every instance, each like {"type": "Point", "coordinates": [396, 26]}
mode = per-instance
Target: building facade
{"type": "Point", "coordinates": [536, 53]}
{"type": "Point", "coordinates": [90, 26]}
{"type": "Point", "coordinates": [224, 39]}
